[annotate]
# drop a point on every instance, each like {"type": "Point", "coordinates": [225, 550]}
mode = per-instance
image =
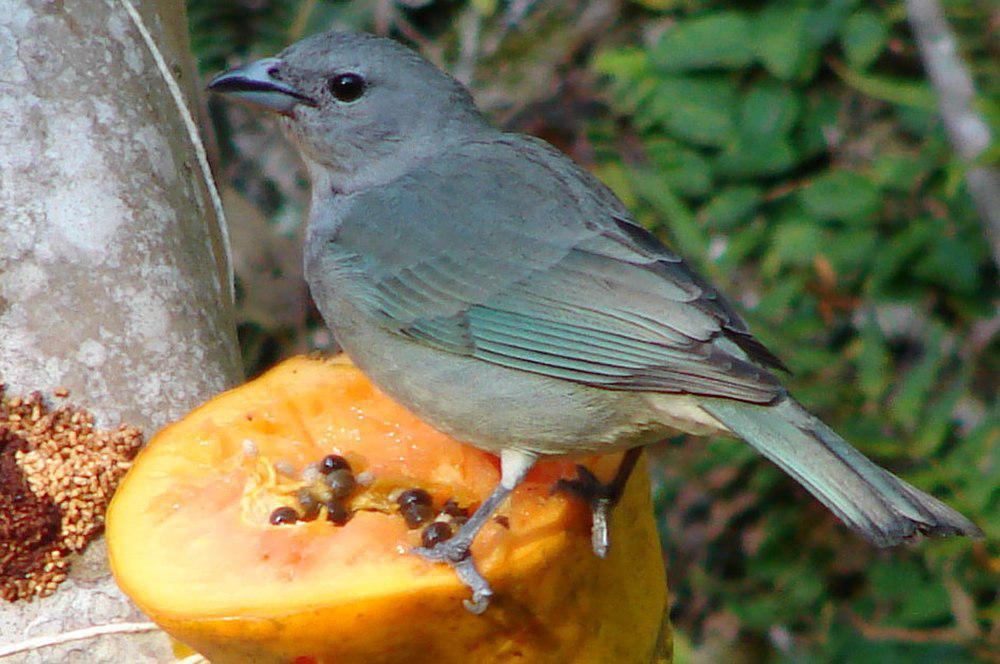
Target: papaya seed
{"type": "Point", "coordinates": [454, 510]}
{"type": "Point", "coordinates": [332, 462]}
{"type": "Point", "coordinates": [337, 513]}
{"type": "Point", "coordinates": [284, 515]}
{"type": "Point", "coordinates": [413, 496]}
{"type": "Point", "coordinates": [341, 483]}
{"type": "Point", "coordinates": [310, 506]}
{"type": "Point", "coordinates": [416, 514]}
{"type": "Point", "coordinates": [439, 531]}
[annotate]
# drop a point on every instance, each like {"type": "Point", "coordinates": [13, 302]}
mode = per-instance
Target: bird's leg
{"type": "Point", "coordinates": [600, 497]}
{"type": "Point", "coordinates": [514, 465]}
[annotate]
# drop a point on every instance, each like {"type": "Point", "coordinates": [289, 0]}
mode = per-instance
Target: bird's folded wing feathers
{"type": "Point", "coordinates": [511, 254]}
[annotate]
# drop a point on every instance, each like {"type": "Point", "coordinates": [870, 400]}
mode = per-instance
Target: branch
{"type": "Point", "coordinates": [968, 132]}
{"type": "Point", "coordinates": [40, 642]}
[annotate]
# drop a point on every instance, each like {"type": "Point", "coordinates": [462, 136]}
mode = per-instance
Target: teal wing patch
{"type": "Point", "coordinates": [571, 290]}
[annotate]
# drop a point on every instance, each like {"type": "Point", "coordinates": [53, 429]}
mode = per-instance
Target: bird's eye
{"type": "Point", "coordinates": [347, 87]}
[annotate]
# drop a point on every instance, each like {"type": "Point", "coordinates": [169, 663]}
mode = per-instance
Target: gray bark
{"type": "Point", "coordinates": [112, 268]}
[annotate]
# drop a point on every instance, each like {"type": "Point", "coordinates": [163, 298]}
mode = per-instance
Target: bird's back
{"type": "Point", "coordinates": [500, 272]}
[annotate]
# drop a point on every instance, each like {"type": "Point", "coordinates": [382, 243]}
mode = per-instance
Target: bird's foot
{"type": "Point", "coordinates": [455, 552]}
{"type": "Point", "coordinates": [600, 497]}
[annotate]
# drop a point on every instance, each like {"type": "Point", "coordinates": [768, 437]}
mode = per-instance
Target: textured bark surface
{"type": "Point", "coordinates": [112, 272]}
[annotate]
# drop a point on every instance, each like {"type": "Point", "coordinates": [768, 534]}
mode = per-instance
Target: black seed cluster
{"type": "Point", "coordinates": [335, 485]}
{"type": "Point", "coordinates": [417, 509]}
{"type": "Point", "coordinates": [335, 482]}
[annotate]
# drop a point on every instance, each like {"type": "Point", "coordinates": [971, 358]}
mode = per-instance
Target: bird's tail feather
{"type": "Point", "coordinates": [880, 506]}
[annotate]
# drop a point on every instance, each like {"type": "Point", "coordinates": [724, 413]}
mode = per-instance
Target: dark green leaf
{"type": "Point", "coordinates": [740, 246]}
{"type": "Point", "coordinates": [683, 168]}
{"type": "Point", "coordinates": [824, 22]}
{"type": "Point", "coordinates": [698, 109]}
{"type": "Point", "coordinates": [863, 38]}
{"type": "Point", "coordinates": [820, 118]}
{"type": "Point", "coordinates": [779, 39]}
{"type": "Point", "coordinates": [769, 111]}
{"type": "Point", "coordinates": [898, 172]}
{"type": "Point", "coordinates": [760, 612]}
{"type": "Point", "coordinates": [714, 41]}
{"type": "Point", "coordinates": [893, 257]}
{"type": "Point", "coordinates": [796, 242]}
{"type": "Point", "coordinates": [840, 195]}
{"type": "Point", "coordinates": [750, 156]}
{"type": "Point", "coordinates": [730, 207]}
{"type": "Point", "coordinates": [951, 261]}
{"type": "Point", "coordinates": [852, 249]}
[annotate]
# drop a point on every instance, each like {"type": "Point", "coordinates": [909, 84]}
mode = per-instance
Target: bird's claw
{"type": "Point", "coordinates": [585, 486]}
{"type": "Point", "coordinates": [457, 555]}
{"type": "Point", "coordinates": [600, 497]}
{"type": "Point", "coordinates": [480, 600]}
{"type": "Point", "coordinates": [448, 551]}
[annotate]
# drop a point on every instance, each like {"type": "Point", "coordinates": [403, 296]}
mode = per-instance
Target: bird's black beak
{"type": "Point", "coordinates": [256, 84]}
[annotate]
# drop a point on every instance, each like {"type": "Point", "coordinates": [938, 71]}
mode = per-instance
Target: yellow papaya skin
{"type": "Point", "coordinates": [189, 540]}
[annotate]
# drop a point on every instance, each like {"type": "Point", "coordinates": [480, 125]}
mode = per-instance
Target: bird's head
{"type": "Point", "coordinates": [357, 106]}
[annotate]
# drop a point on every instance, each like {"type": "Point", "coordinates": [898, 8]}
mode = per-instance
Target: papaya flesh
{"type": "Point", "coordinates": [191, 539]}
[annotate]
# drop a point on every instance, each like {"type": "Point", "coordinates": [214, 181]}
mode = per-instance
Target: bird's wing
{"type": "Point", "coordinates": [509, 253]}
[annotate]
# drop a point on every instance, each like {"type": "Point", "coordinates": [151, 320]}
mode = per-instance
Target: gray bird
{"type": "Point", "coordinates": [500, 292]}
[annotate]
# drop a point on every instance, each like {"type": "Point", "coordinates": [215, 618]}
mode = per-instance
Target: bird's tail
{"type": "Point", "coordinates": [880, 506]}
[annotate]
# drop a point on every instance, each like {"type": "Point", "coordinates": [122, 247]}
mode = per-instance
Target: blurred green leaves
{"type": "Point", "coordinates": [840, 195]}
{"type": "Point", "coordinates": [698, 109]}
{"type": "Point", "coordinates": [863, 38]}
{"type": "Point", "coordinates": [780, 40]}
{"type": "Point", "coordinates": [731, 207]}
{"type": "Point", "coordinates": [791, 150]}
{"type": "Point", "coordinates": [719, 40]}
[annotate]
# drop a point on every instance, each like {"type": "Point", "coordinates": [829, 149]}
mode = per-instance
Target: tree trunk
{"type": "Point", "coordinates": [113, 274]}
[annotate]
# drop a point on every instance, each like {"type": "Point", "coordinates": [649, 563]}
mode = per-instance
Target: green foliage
{"type": "Point", "coordinates": [789, 149]}
{"type": "Point", "coordinates": [840, 195]}
{"type": "Point", "coordinates": [809, 170]}
{"type": "Point", "coordinates": [716, 40]}
{"type": "Point", "coordinates": [863, 38]}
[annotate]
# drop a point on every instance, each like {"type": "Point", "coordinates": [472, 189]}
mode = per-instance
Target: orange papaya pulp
{"type": "Point", "coordinates": [191, 539]}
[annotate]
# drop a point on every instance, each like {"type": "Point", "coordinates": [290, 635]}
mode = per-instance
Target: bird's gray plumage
{"type": "Point", "coordinates": [507, 297]}
{"type": "Point", "coordinates": [541, 272]}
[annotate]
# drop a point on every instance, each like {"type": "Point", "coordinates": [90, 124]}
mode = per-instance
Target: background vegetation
{"type": "Point", "coordinates": [791, 150]}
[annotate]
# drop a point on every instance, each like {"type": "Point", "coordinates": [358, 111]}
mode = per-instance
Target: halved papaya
{"type": "Point", "coordinates": [194, 538]}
